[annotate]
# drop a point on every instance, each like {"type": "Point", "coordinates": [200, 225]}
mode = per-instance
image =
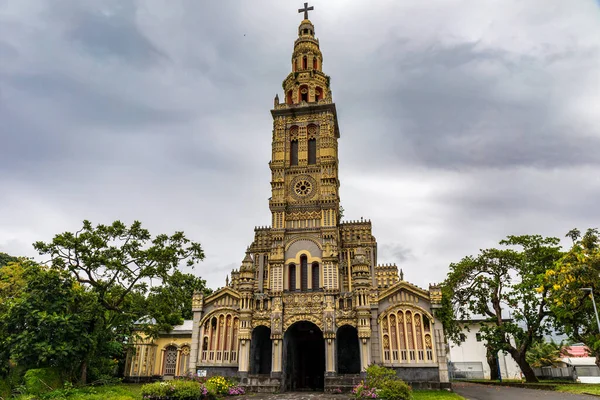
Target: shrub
{"type": "Point", "coordinates": [218, 385]}
{"type": "Point", "coordinates": [362, 391]}
{"type": "Point", "coordinates": [236, 390]}
{"type": "Point", "coordinates": [42, 380]}
{"type": "Point", "coordinates": [395, 390]}
{"type": "Point", "coordinates": [5, 389]}
{"type": "Point", "coordinates": [377, 375]}
{"type": "Point", "coordinates": [176, 390]}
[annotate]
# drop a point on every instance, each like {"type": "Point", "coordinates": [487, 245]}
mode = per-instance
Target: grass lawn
{"type": "Point", "coordinates": [110, 392]}
{"type": "Point", "coordinates": [580, 388]}
{"type": "Point", "coordinates": [435, 395]}
{"type": "Point", "coordinates": [133, 392]}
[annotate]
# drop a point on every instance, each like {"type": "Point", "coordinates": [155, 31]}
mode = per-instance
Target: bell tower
{"type": "Point", "coordinates": [304, 164]}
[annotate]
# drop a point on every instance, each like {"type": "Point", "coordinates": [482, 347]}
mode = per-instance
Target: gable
{"type": "Point", "coordinates": [225, 297]}
{"type": "Point", "coordinates": [404, 292]}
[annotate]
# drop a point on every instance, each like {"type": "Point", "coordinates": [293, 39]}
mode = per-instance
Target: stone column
{"type": "Point", "coordinates": [440, 350]}
{"type": "Point", "coordinates": [276, 363]}
{"type": "Point", "coordinates": [244, 357]}
{"type": "Point", "coordinates": [195, 347]}
{"type": "Point", "coordinates": [277, 336]}
{"type": "Point", "coordinates": [365, 354]}
{"type": "Point", "coordinates": [330, 367]}
{"type": "Point", "coordinates": [375, 342]}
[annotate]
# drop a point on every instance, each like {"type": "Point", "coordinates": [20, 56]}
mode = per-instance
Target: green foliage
{"type": "Point", "coordinates": [385, 383]}
{"type": "Point", "coordinates": [104, 392]}
{"type": "Point", "coordinates": [113, 264]}
{"type": "Point", "coordinates": [5, 259]}
{"type": "Point", "coordinates": [170, 303]}
{"type": "Point", "coordinates": [501, 280]}
{"type": "Point", "coordinates": [435, 395]}
{"type": "Point", "coordinates": [543, 354]}
{"type": "Point", "coordinates": [176, 389]}
{"type": "Point", "coordinates": [578, 268]}
{"type": "Point", "coordinates": [377, 375]}
{"type": "Point", "coordinates": [395, 390]}
{"type": "Point", "coordinates": [42, 380]}
{"type": "Point", "coordinates": [5, 388]}
{"type": "Point", "coordinates": [218, 385]}
{"type": "Point", "coordinates": [48, 320]}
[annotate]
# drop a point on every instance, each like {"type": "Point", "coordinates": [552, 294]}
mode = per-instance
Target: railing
{"type": "Point", "coordinates": [219, 356]}
{"type": "Point", "coordinates": [407, 356]}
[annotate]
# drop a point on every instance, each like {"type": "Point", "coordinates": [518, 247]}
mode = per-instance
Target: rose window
{"type": "Point", "coordinates": [303, 187]}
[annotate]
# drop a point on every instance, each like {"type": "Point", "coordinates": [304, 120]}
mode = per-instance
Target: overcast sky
{"type": "Point", "coordinates": [462, 121]}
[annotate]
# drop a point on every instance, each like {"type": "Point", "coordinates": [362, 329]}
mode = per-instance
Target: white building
{"type": "Point", "coordinates": [468, 359]}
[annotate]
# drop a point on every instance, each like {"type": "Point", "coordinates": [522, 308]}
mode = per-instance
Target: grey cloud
{"type": "Point", "coordinates": [438, 109]}
{"type": "Point", "coordinates": [393, 253]}
{"type": "Point", "coordinates": [83, 102]}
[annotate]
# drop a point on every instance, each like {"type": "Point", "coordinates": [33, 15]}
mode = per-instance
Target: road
{"type": "Point", "coordinates": [473, 391]}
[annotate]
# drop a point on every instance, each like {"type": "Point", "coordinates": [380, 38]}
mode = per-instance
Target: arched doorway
{"type": "Point", "coordinates": [348, 351]}
{"type": "Point", "coordinates": [261, 351]}
{"type": "Point", "coordinates": [304, 357]}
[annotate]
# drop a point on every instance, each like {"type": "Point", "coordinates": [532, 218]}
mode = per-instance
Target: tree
{"type": "Point", "coordinates": [498, 281]}
{"type": "Point", "coordinates": [116, 263]}
{"type": "Point", "coordinates": [170, 303]}
{"type": "Point", "coordinates": [47, 321]}
{"type": "Point", "coordinates": [12, 284]}
{"type": "Point", "coordinates": [5, 259]}
{"type": "Point", "coordinates": [544, 354]}
{"type": "Point", "coordinates": [574, 310]}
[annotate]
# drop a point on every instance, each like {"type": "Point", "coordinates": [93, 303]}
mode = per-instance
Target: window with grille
{"type": "Point", "coordinates": [170, 360]}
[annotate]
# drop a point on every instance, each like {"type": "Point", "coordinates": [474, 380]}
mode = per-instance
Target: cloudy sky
{"type": "Point", "coordinates": [462, 121]}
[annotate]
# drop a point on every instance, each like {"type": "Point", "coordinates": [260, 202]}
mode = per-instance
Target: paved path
{"type": "Point", "coordinates": [294, 396]}
{"type": "Point", "coordinates": [473, 391]}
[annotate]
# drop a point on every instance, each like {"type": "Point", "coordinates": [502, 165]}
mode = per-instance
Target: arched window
{"type": "Point", "coordinates": [184, 360]}
{"type": "Point", "coordinates": [288, 97]}
{"type": "Point", "coordinates": [315, 276]}
{"type": "Point", "coordinates": [318, 94]}
{"type": "Point", "coordinates": [303, 93]}
{"type": "Point", "coordinates": [312, 151]}
{"type": "Point", "coordinates": [303, 273]}
{"type": "Point", "coordinates": [294, 152]}
{"type": "Point", "coordinates": [170, 360]}
{"type": "Point", "coordinates": [304, 62]}
{"type": "Point", "coordinates": [292, 277]}
{"type": "Point", "coordinates": [314, 62]}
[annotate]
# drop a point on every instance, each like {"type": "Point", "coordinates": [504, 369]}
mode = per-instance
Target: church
{"type": "Point", "coordinates": [309, 307]}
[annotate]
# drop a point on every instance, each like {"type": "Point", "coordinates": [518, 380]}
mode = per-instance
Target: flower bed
{"type": "Point", "coordinates": [191, 388]}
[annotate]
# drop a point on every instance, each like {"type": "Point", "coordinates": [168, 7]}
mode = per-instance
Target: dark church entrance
{"type": "Point", "coordinates": [304, 357]}
{"type": "Point", "coordinates": [261, 351]}
{"type": "Point", "coordinates": [348, 351]}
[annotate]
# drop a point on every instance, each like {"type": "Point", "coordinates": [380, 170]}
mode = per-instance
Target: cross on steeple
{"type": "Point", "coordinates": [306, 9]}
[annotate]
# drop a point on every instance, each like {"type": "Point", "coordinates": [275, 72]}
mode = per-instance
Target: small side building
{"type": "Point", "coordinates": [165, 357]}
{"type": "Point", "coordinates": [468, 360]}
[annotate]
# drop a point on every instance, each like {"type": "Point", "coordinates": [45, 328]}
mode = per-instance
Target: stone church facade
{"type": "Point", "coordinates": [309, 307]}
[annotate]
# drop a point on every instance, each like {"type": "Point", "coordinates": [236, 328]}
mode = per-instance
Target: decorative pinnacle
{"type": "Point", "coordinates": [306, 9]}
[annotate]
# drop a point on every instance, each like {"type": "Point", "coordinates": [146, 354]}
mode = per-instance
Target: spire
{"type": "Point", "coordinates": [306, 83]}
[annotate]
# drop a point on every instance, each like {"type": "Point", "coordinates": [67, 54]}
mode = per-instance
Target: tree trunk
{"type": "Point", "coordinates": [492, 360]}
{"type": "Point", "coordinates": [83, 379]}
{"type": "Point", "coordinates": [524, 365]}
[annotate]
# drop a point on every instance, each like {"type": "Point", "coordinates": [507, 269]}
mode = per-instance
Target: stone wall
{"type": "Point", "coordinates": [231, 372]}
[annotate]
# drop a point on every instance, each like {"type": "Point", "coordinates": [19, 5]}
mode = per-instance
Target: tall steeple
{"type": "Point", "coordinates": [307, 82]}
{"type": "Point", "coordinates": [304, 163]}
